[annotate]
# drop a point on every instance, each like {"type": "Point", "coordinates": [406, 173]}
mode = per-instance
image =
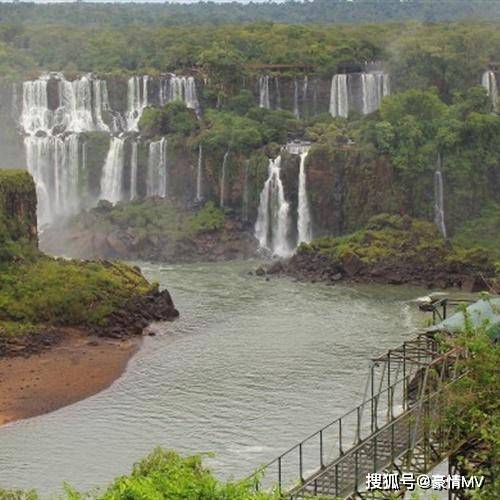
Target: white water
{"type": "Point", "coordinates": [439, 200]}
{"type": "Point", "coordinates": [223, 180]}
{"type": "Point", "coordinates": [489, 82]}
{"type": "Point", "coordinates": [52, 137]}
{"type": "Point", "coordinates": [304, 226]}
{"type": "Point", "coordinates": [156, 181]}
{"type": "Point", "coordinates": [199, 174]}
{"type": "Point", "coordinates": [137, 100]}
{"type": "Point", "coordinates": [244, 208]}
{"type": "Point", "coordinates": [278, 92]}
{"type": "Point", "coordinates": [296, 110]}
{"type": "Point", "coordinates": [133, 171]}
{"type": "Point", "coordinates": [112, 172]}
{"type": "Point", "coordinates": [179, 88]}
{"type": "Point", "coordinates": [344, 93]}
{"type": "Point", "coordinates": [273, 220]}
{"type": "Point", "coordinates": [372, 85]}
{"type": "Point", "coordinates": [339, 103]}
{"type": "Point", "coordinates": [264, 100]}
{"type": "Point", "coordinates": [53, 162]}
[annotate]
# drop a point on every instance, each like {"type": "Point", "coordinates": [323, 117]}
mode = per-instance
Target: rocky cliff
{"type": "Point", "coordinates": [18, 226]}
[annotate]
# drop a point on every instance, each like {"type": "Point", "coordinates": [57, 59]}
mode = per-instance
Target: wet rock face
{"type": "Point", "coordinates": [137, 314]}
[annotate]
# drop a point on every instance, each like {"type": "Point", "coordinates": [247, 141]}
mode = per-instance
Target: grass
{"type": "Point", "coordinates": [58, 292]}
{"type": "Point", "coordinates": [394, 237]}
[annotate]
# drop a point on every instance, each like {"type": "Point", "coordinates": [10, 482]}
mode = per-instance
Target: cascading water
{"type": "Point", "coordinates": [244, 207]}
{"type": "Point", "coordinates": [112, 172]}
{"type": "Point", "coordinates": [304, 226]}
{"type": "Point", "coordinates": [296, 110]}
{"type": "Point", "coordinates": [339, 103]}
{"type": "Point", "coordinates": [439, 199]}
{"type": "Point", "coordinates": [278, 92]}
{"type": "Point", "coordinates": [365, 97]}
{"type": "Point", "coordinates": [199, 174]}
{"type": "Point", "coordinates": [133, 171]}
{"type": "Point", "coordinates": [52, 140]}
{"type": "Point", "coordinates": [53, 163]}
{"type": "Point", "coordinates": [137, 100]}
{"type": "Point", "coordinates": [223, 180]}
{"type": "Point", "coordinates": [375, 86]}
{"type": "Point", "coordinates": [273, 220]}
{"type": "Point", "coordinates": [156, 181]}
{"type": "Point", "coordinates": [264, 99]}
{"type": "Point", "coordinates": [489, 82]}
{"type": "Point", "coordinates": [179, 88]}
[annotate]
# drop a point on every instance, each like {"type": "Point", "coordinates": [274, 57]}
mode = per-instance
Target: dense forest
{"type": "Point", "coordinates": [290, 12]}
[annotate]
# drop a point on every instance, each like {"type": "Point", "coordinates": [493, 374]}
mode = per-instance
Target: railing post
{"type": "Point", "coordinates": [322, 465]}
{"type": "Point", "coordinates": [300, 464]}
{"type": "Point", "coordinates": [358, 424]}
{"type": "Point", "coordinates": [336, 480]}
{"type": "Point", "coordinates": [356, 471]}
{"type": "Point", "coordinates": [375, 405]}
{"type": "Point", "coordinates": [372, 395]}
{"type": "Point", "coordinates": [405, 393]}
{"type": "Point", "coordinates": [375, 453]}
{"type": "Point", "coordinates": [389, 412]}
{"type": "Point", "coordinates": [392, 445]}
{"type": "Point", "coordinates": [279, 475]}
{"type": "Point", "coordinates": [341, 451]}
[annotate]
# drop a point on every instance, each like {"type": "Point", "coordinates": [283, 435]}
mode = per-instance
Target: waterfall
{"type": "Point", "coordinates": [199, 174]}
{"type": "Point", "coordinates": [223, 180]}
{"type": "Point", "coordinates": [273, 221]}
{"type": "Point", "coordinates": [305, 89]}
{"type": "Point", "coordinates": [112, 172]}
{"type": "Point", "coordinates": [439, 199]}
{"type": "Point", "coordinates": [278, 92]}
{"type": "Point", "coordinates": [304, 227]}
{"type": "Point", "coordinates": [133, 171]}
{"type": "Point", "coordinates": [156, 182]}
{"type": "Point", "coordinates": [137, 100]}
{"type": "Point", "coordinates": [179, 88]}
{"type": "Point", "coordinates": [52, 141]}
{"type": "Point", "coordinates": [339, 104]}
{"type": "Point", "coordinates": [489, 82]}
{"type": "Point", "coordinates": [264, 100]}
{"type": "Point", "coordinates": [375, 86]}
{"type": "Point", "coordinates": [244, 208]}
{"type": "Point", "coordinates": [296, 111]}
{"type": "Point", "coordinates": [54, 164]}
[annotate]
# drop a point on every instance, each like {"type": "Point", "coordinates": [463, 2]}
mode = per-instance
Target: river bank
{"type": "Point", "coordinates": [77, 366]}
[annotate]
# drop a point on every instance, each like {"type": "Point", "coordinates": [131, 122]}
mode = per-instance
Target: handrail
{"type": "Point", "coordinates": [372, 403]}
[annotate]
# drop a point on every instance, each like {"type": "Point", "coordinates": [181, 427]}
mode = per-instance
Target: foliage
{"type": "Point", "coordinates": [63, 292]}
{"type": "Point", "coordinates": [165, 475]}
{"type": "Point", "coordinates": [173, 118]}
{"type": "Point", "coordinates": [209, 218]}
{"type": "Point", "coordinates": [473, 405]}
{"type": "Point", "coordinates": [387, 238]}
{"type": "Point", "coordinates": [17, 230]}
{"type": "Point", "coordinates": [483, 231]}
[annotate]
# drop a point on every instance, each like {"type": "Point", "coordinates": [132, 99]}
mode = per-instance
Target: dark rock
{"type": "Point", "coordinates": [260, 271]}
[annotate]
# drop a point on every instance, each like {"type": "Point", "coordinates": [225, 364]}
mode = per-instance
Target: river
{"type": "Point", "coordinates": [250, 367]}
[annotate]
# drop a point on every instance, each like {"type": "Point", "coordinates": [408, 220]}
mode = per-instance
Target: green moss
{"type": "Point", "coordinates": [209, 218]}
{"type": "Point", "coordinates": [483, 231]}
{"type": "Point", "coordinates": [392, 237]}
{"type": "Point", "coordinates": [61, 292]}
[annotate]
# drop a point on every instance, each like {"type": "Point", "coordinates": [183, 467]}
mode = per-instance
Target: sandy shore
{"type": "Point", "coordinates": [78, 367]}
